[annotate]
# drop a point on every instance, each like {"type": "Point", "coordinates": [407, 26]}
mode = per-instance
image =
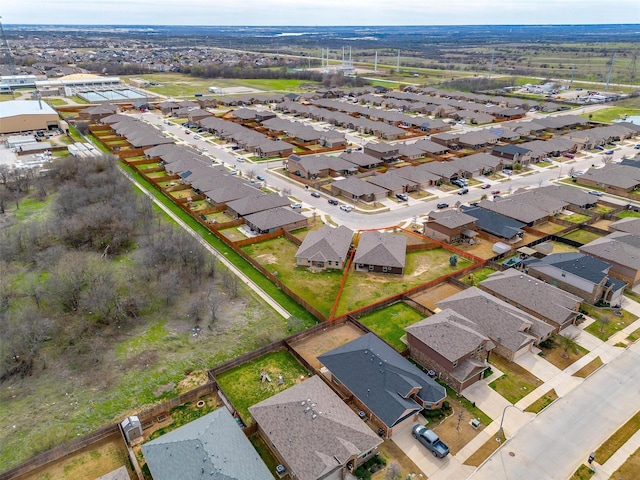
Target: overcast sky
{"type": "Point", "coordinates": [319, 12]}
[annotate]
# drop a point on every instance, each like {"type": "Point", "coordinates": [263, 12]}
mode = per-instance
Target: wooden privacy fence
{"type": "Point", "coordinates": [59, 451]}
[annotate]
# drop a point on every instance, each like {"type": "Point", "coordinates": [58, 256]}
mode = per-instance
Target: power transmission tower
{"type": "Point", "coordinates": [613, 60]}
{"type": "Point", "coordinates": [491, 65]}
{"type": "Point", "coordinates": [6, 51]}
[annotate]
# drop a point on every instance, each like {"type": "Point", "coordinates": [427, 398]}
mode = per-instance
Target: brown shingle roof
{"type": "Point", "coordinates": [314, 431]}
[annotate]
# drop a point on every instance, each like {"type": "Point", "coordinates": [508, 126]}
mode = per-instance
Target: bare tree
{"type": "Point", "coordinates": [82, 126]}
{"type": "Point", "coordinates": [567, 344]}
{"type": "Point", "coordinates": [230, 283]}
{"type": "Point", "coordinates": [606, 159]}
{"type": "Point", "coordinates": [251, 173]}
{"type": "Point", "coordinates": [215, 301]}
{"type": "Point", "coordinates": [394, 472]}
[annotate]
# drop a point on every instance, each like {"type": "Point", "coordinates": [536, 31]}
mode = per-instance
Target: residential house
{"type": "Point", "coordinates": [312, 167]}
{"type": "Point", "coordinates": [325, 248]}
{"type": "Point", "coordinates": [382, 151]}
{"type": "Point", "coordinates": [449, 226]}
{"type": "Point", "coordinates": [580, 274]}
{"type": "Point", "coordinates": [275, 219]}
{"type": "Point", "coordinates": [512, 153]}
{"type": "Point", "coordinates": [313, 433]}
{"type": "Point", "coordinates": [543, 300]}
{"type": "Point", "coordinates": [394, 184]}
{"type": "Point", "coordinates": [98, 112]}
{"type": "Point", "coordinates": [511, 329]}
{"type": "Point", "coordinates": [451, 346]}
{"type": "Point", "coordinates": [357, 190]}
{"type": "Point", "coordinates": [256, 203]}
{"type": "Point", "coordinates": [383, 384]}
{"type": "Point", "coordinates": [613, 178]}
{"type": "Point", "coordinates": [622, 251]}
{"type": "Point", "coordinates": [500, 226]}
{"type": "Point", "coordinates": [212, 446]}
{"type": "Point", "coordinates": [627, 225]}
{"type": "Point", "coordinates": [381, 252]}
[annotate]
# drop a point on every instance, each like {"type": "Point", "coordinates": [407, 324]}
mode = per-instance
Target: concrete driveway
{"type": "Point", "coordinates": [422, 457]}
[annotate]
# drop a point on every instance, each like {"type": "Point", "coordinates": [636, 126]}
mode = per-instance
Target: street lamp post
{"type": "Point", "coordinates": [500, 431]}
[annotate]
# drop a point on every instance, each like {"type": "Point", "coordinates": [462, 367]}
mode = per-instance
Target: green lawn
{"type": "Point", "coordinates": [581, 236]}
{"type": "Point", "coordinates": [516, 383]}
{"type": "Point", "coordinates": [575, 218]}
{"type": "Point", "coordinates": [628, 213]}
{"type": "Point", "coordinates": [364, 288]}
{"type": "Point", "coordinates": [610, 114]}
{"type": "Point", "coordinates": [389, 322]}
{"type": "Point", "coordinates": [243, 385]}
{"type": "Point", "coordinates": [543, 402]}
{"type": "Point", "coordinates": [478, 276]}
{"type": "Point", "coordinates": [606, 323]}
{"type": "Point", "coordinates": [618, 439]}
{"type": "Point", "coordinates": [279, 255]}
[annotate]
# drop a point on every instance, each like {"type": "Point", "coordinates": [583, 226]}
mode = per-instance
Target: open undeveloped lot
{"type": "Point", "coordinates": [326, 340]}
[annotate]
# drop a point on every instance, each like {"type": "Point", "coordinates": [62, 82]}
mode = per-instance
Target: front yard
{"type": "Point", "coordinates": [606, 321]}
{"type": "Point", "coordinates": [516, 383]}
{"type": "Point", "coordinates": [561, 351]}
{"type": "Point", "coordinates": [245, 386]}
{"type": "Point", "coordinates": [389, 322]}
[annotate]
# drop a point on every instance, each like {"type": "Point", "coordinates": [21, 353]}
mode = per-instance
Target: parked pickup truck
{"type": "Point", "coordinates": [431, 440]}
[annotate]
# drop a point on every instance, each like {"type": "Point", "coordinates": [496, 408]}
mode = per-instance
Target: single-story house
{"type": "Point", "coordinates": [381, 252]}
{"type": "Point", "coordinates": [313, 433]}
{"type": "Point", "coordinates": [495, 224]}
{"type": "Point", "coordinates": [275, 219]}
{"type": "Point", "coordinates": [212, 447]}
{"type": "Point", "coordinates": [385, 385]}
{"type": "Point", "coordinates": [449, 226]}
{"type": "Point", "coordinates": [324, 248]}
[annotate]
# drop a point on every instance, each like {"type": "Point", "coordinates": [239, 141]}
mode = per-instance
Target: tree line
{"type": "Point", "coordinates": [95, 262]}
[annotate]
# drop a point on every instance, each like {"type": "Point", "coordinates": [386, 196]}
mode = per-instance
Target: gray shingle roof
{"type": "Point", "coordinates": [536, 295]}
{"type": "Point", "coordinates": [381, 378]}
{"type": "Point", "coordinates": [628, 225]}
{"type": "Point", "coordinates": [451, 218]}
{"type": "Point", "coordinates": [501, 322]}
{"type": "Point", "coordinates": [257, 203]}
{"type": "Point", "coordinates": [274, 218]}
{"type": "Point", "coordinates": [212, 447]}
{"type": "Point", "coordinates": [381, 248]}
{"type": "Point", "coordinates": [448, 333]}
{"type": "Point", "coordinates": [313, 429]}
{"type": "Point", "coordinates": [326, 244]}
{"type": "Point", "coordinates": [617, 247]}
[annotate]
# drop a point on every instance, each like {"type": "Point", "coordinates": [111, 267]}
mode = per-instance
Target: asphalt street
{"type": "Point", "coordinates": [398, 212]}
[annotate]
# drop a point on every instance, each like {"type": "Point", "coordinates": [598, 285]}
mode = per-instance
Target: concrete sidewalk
{"type": "Point", "coordinates": [606, 470]}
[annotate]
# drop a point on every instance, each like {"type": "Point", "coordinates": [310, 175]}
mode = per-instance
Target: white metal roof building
{"type": "Point", "coordinates": [26, 115]}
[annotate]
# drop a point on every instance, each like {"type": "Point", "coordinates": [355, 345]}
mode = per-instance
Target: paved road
{"type": "Point", "coordinates": [555, 443]}
{"type": "Point", "coordinates": [398, 212]}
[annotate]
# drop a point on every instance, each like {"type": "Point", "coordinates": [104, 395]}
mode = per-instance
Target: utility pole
{"type": "Point", "coordinates": [398, 63]}
{"type": "Point", "coordinates": [375, 63]}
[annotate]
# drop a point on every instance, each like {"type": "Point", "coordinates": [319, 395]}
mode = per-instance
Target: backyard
{"type": "Point", "coordinates": [516, 382]}
{"type": "Point", "coordinates": [581, 236]}
{"type": "Point", "coordinates": [278, 256]}
{"type": "Point", "coordinates": [257, 380]}
{"type": "Point", "coordinates": [389, 323]}
{"type": "Point", "coordinates": [364, 288]}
